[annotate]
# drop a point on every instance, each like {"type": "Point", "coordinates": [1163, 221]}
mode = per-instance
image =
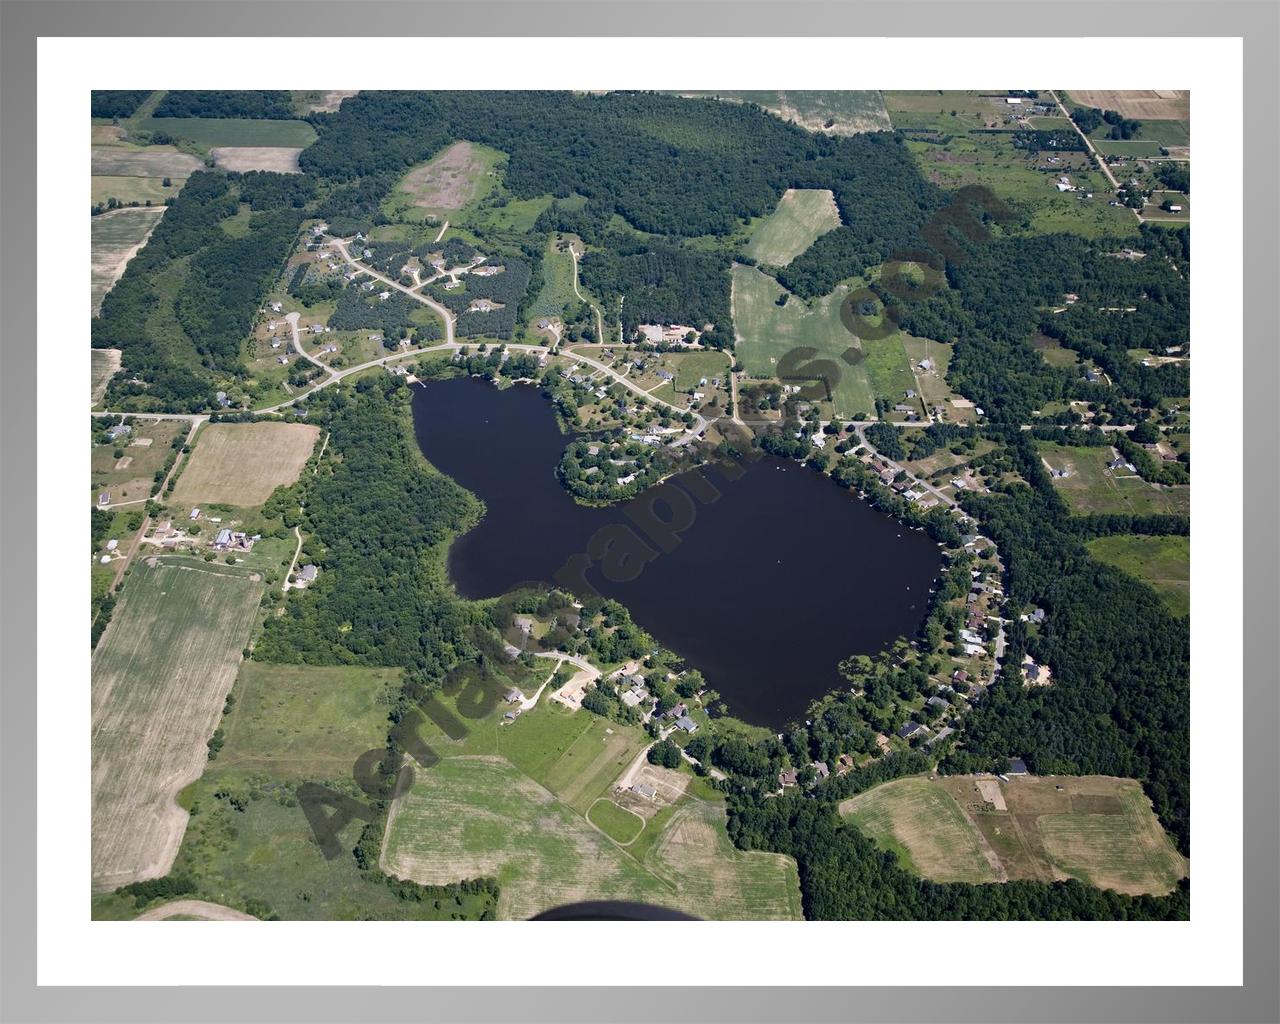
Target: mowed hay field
{"type": "Point", "coordinates": [1163, 562]}
{"type": "Point", "coordinates": [1093, 487]}
{"type": "Point", "coordinates": [1142, 104]}
{"type": "Point", "coordinates": [924, 826]}
{"type": "Point", "coordinates": [479, 815]}
{"type": "Point", "coordinates": [242, 463]}
{"type": "Point", "coordinates": [1094, 828]}
{"type": "Point", "coordinates": [143, 162]}
{"type": "Point", "coordinates": [115, 238]}
{"type": "Point", "coordinates": [160, 675]}
{"type": "Point", "coordinates": [802, 216]}
{"type": "Point", "coordinates": [282, 159]}
{"type": "Point", "coordinates": [767, 332]}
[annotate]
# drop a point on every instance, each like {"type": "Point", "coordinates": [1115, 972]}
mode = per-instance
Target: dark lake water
{"type": "Point", "coordinates": [765, 591]}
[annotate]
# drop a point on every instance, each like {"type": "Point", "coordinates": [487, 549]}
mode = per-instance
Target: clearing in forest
{"type": "Point", "coordinates": [282, 159]}
{"type": "Point", "coordinates": [802, 216]}
{"type": "Point", "coordinates": [448, 181]}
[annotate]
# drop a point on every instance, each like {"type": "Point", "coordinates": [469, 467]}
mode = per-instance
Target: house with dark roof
{"type": "Point", "coordinates": [1017, 766]}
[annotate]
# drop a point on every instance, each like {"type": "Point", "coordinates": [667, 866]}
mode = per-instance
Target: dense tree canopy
{"type": "Point", "coordinates": [252, 103]}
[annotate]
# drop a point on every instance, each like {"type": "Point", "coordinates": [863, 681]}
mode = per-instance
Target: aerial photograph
{"type": "Point", "coordinates": [746, 505]}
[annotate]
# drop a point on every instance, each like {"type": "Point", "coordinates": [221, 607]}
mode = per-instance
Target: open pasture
{"type": "Point", "coordinates": [767, 332]}
{"type": "Point", "coordinates": [160, 675]}
{"type": "Point", "coordinates": [299, 722]}
{"type": "Point", "coordinates": [1163, 562]}
{"type": "Point", "coordinates": [282, 159]}
{"type": "Point", "coordinates": [470, 816]}
{"type": "Point", "coordinates": [1097, 829]}
{"type": "Point", "coordinates": [802, 215]}
{"type": "Point", "coordinates": [242, 463]}
{"type": "Point", "coordinates": [248, 844]}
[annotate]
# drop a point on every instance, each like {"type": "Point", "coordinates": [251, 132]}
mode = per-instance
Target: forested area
{"type": "Point", "coordinates": [359, 310]}
{"type": "Point", "coordinates": [250, 103]}
{"type": "Point", "coordinates": [379, 514]}
{"type": "Point", "coordinates": [116, 103]}
{"type": "Point", "coordinates": [268, 190]}
{"type": "Point", "coordinates": [227, 280]}
{"type": "Point", "coordinates": [507, 290]}
{"type": "Point", "coordinates": [1003, 291]}
{"type": "Point", "coordinates": [662, 282]}
{"type": "Point", "coordinates": [187, 300]}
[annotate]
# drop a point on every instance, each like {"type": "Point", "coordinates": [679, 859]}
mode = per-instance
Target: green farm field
{"type": "Point", "coordinates": [1097, 829]}
{"type": "Point", "coordinates": [128, 189]}
{"type": "Point", "coordinates": [513, 800]}
{"type": "Point", "coordinates": [297, 722]}
{"type": "Point", "coordinates": [1163, 562]}
{"type": "Point", "coordinates": [212, 132]}
{"type": "Point", "coordinates": [1092, 487]}
{"type": "Point", "coordinates": [802, 215]}
{"type": "Point", "coordinates": [143, 161]}
{"type": "Point", "coordinates": [619, 824]}
{"type": "Point", "coordinates": [767, 332]}
{"type": "Point", "coordinates": [160, 674]}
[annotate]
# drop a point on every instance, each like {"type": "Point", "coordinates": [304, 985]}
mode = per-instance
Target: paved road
{"type": "Point", "coordinates": [862, 436]}
{"type": "Point", "coordinates": [292, 319]}
{"type": "Point", "coordinates": [1088, 143]}
{"type": "Point", "coordinates": [445, 314]}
